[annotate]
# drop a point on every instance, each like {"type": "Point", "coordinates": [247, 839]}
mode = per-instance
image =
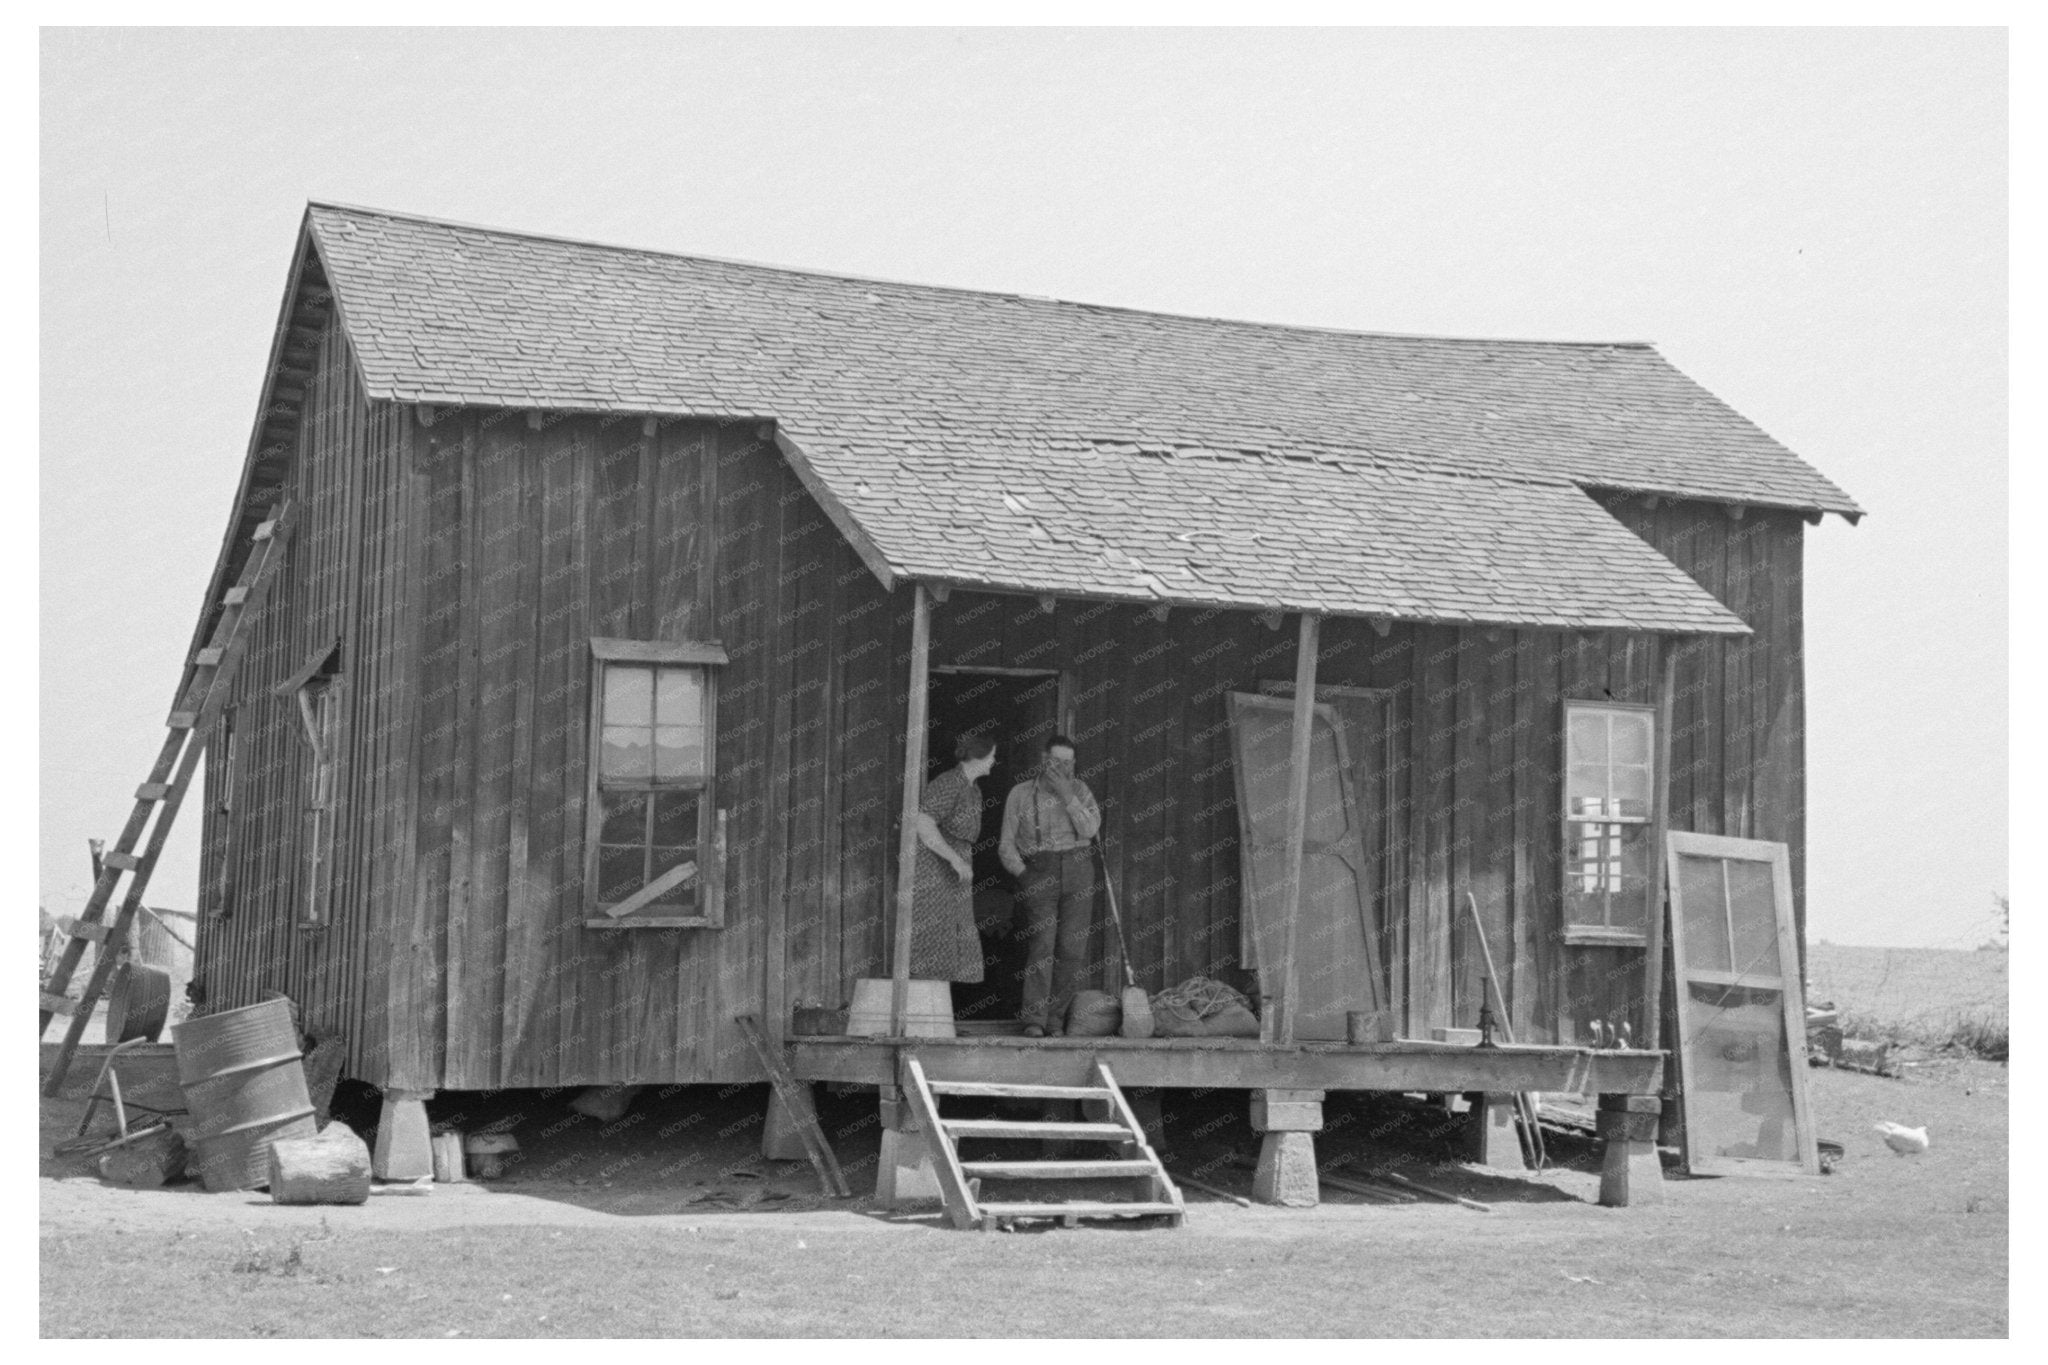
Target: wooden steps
{"type": "Point", "coordinates": [1134, 1170]}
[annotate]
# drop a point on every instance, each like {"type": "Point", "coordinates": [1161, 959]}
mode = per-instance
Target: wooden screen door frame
{"type": "Point", "coordinates": [1388, 930]}
{"type": "Point", "coordinates": [1248, 929]}
{"type": "Point", "coordinates": [1792, 995]}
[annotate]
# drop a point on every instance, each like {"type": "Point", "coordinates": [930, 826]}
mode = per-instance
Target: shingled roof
{"type": "Point", "coordinates": [1035, 445]}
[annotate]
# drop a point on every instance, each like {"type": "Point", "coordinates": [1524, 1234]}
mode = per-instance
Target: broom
{"type": "Point", "coordinates": [1136, 1005]}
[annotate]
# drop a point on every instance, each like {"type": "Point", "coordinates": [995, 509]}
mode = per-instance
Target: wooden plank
{"type": "Point", "coordinates": [957, 1193]}
{"type": "Point", "coordinates": [796, 1100]}
{"type": "Point", "coordinates": [1653, 964]}
{"type": "Point", "coordinates": [1114, 1168]}
{"type": "Point", "coordinates": [913, 785]}
{"type": "Point", "coordinates": [1078, 1209]}
{"type": "Point", "coordinates": [1013, 1091]}
{"type": "Point", "coordinates": [570, 477]}
{"type": "Point", "coordinates": [1034, 1128]}
{"type": "Point", "coordinates": [1297, 821]}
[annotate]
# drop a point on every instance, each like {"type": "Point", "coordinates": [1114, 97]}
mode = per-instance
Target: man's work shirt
{"type": "Point", "coordinates": [1037, 820]}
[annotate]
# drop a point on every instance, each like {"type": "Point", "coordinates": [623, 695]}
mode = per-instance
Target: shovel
{"type": "Point", "coordinates": [1136, 1005]}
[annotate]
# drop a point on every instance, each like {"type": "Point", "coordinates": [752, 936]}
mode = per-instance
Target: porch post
{"type": "Point", "coordinates": [1282, 1028]}
{"type": "Point", "coordinates": [1660, 814]}
{"type": "Point", "coordinates": [913, 782]}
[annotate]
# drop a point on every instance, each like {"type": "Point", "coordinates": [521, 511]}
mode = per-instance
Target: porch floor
{"type": "Point", "coordinates": [1234, 1063]}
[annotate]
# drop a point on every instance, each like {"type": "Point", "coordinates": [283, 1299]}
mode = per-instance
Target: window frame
{"type": "Point", "coordinates": [708, 657]}
{"type": "Point", "coordinates": [1579, 933]}
{"type": "Point", "coordinates": [316, 693]}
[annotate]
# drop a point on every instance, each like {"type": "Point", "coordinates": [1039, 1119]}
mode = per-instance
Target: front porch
{"type": "Point", "coordinates": [1287, 1084]}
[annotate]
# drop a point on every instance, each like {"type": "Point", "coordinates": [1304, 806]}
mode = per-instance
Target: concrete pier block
{"type": "Point", "coordinates": [1491, 1139]}
{"type": "Point", "coordinates": [903, 1171]}
{"type": "Point", "coordinates": [1630, 1172]}
{"type": "Point", "coordinates": [1287, 1171]}
{"type": "Point", "coordinates": [405, 1149]}
{"type": "Point", "coordinates": [780, 1140]}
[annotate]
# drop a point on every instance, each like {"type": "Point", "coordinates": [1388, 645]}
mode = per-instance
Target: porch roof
{"type": "Point", "coordinates": [1043, 446]}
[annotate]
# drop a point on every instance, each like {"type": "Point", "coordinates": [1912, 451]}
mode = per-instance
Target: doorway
{"type": "Point", "coordinates": [1019, 709]}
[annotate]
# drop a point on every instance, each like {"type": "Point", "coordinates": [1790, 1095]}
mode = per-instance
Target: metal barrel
{"type": "Point", "coordinates": [245, 1087]}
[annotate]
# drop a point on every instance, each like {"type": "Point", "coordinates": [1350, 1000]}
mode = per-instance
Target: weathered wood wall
{"type": "Point", "coordinates": [1476, 763]}
{"type": "Point", "coordinates": [534, 540]}
{"type": "Point", "coordinates": [466, 559]}
{"type": "Point", "coordinates": [337, 581]}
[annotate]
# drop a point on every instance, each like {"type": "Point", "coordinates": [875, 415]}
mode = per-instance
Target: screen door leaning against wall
{"type": "Point", "coordinates": [1741, 1012]}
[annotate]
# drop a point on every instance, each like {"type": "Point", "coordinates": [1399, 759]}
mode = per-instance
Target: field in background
{"type": "Point", "coordinates": [1934, 998]}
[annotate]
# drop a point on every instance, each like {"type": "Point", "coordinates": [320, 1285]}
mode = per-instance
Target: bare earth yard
{"type": "Point", "coordinates": [605, 1242]}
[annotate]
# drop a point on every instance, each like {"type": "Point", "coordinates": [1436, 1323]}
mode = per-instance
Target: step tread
{"type": "Point", "coordinates": [1058, 1170]}
{"type": "Point", "coordinates": [1076, 1210]}
{"type": "Point", "coordinates": [1028, 1128]}
{"type": "Point", "coordinates": [1004, 1090]}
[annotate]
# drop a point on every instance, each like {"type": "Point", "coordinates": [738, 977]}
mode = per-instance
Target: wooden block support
{"type": "Point", "coordinates": [1287, 1171]}
{"type": "Point", "coordinates": [1287, 1111]}
{"type": "Point", "coordinates": [333, 1168]}
{"type": "Point", "coordinates": [1628, 1127]}
{"type": "Point", "coordinates": [1630, 1172]}
{"type": "Point", "coordinates": [1491, 1138]}
{"type": "Point", "coordinates": [404, 1148]}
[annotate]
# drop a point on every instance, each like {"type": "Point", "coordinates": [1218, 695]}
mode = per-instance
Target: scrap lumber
{"type": "Point", "coordinates": [796, 1097]}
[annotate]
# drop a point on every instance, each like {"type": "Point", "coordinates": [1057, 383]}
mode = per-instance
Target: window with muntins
{"type": "Point", "coordinates": [655, 836]}
{"type": "Point", "coordinates": [1609, 804]}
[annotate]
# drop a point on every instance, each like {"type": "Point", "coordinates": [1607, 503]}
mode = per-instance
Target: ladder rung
{"type": "Point", "coordinates": [152, 791]}
{"type": "Point", "coordinates": [1019, 1128]}
{"type": "Point", "coordinates": [236, 596]}
{"type": "Point", "coordinates": [1019, 1092]}
{"type": "Point", "coordinates": [182, 720]}
{"type": "Point", "coordinates": [1075, 1210]}
{"type": "Point", "coordinates": [92, 933]}
{"type": "Point", "coordinates": [59, 1004]}
{"type": "Point", "coordinates": [127, 862]}
{"type": "Point", "coordinates": [209, 657]}
{"type": "Point", "coordinates": [1058, 1170]}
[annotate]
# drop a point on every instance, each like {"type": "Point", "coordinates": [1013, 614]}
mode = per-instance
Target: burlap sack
{"type": "Point", "coordinates": [1094, 1014]}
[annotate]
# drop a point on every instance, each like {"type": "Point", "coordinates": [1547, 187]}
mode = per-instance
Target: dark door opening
{"type": "Point", "coordinates": [1019, 711]}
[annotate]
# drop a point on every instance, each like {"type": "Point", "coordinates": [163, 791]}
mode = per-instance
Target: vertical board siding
{"type": "Point", "coordinates": [337, 580]}
{"type": "Point", "coordinates": [466, 565]}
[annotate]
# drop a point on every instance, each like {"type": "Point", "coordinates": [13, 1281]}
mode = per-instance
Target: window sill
{"type": "Point", "coordinates": [655, 922]}
{"type": "Point", "coordinates": [1600, 936]}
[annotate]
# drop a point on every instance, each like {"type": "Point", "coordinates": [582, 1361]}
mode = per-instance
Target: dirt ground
{"type": "Point", "coordinates": [610, 1230]}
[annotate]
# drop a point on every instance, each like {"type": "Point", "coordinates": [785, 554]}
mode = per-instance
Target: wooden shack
{"type": "Point", "coordinates": [577, 722]}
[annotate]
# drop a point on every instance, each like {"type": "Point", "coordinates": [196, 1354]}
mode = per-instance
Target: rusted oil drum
{"type": "Point", "coordinates": [139, 1003]}
{"type": "Point", "coordinates": [245, 1087]}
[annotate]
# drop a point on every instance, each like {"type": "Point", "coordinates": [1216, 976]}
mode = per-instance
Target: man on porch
{"type": "Point", "coordinates": [1048, 822]}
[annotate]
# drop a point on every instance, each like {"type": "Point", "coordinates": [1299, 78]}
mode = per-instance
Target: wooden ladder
{"type": "Point", "coordinates": [1135, 1167]}
{"type": "Point", "coordinates": [201, 693]}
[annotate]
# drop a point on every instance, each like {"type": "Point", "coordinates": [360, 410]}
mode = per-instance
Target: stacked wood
{"type": "Point", "coordinates": [332, 1168]}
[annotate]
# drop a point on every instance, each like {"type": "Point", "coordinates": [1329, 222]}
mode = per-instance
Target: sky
{"type": "Point", "coordinates": [1810, 222]}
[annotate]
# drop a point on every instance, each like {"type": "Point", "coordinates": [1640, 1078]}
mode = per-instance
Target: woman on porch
{"type": "Point", "coordinates": [944, 945]}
